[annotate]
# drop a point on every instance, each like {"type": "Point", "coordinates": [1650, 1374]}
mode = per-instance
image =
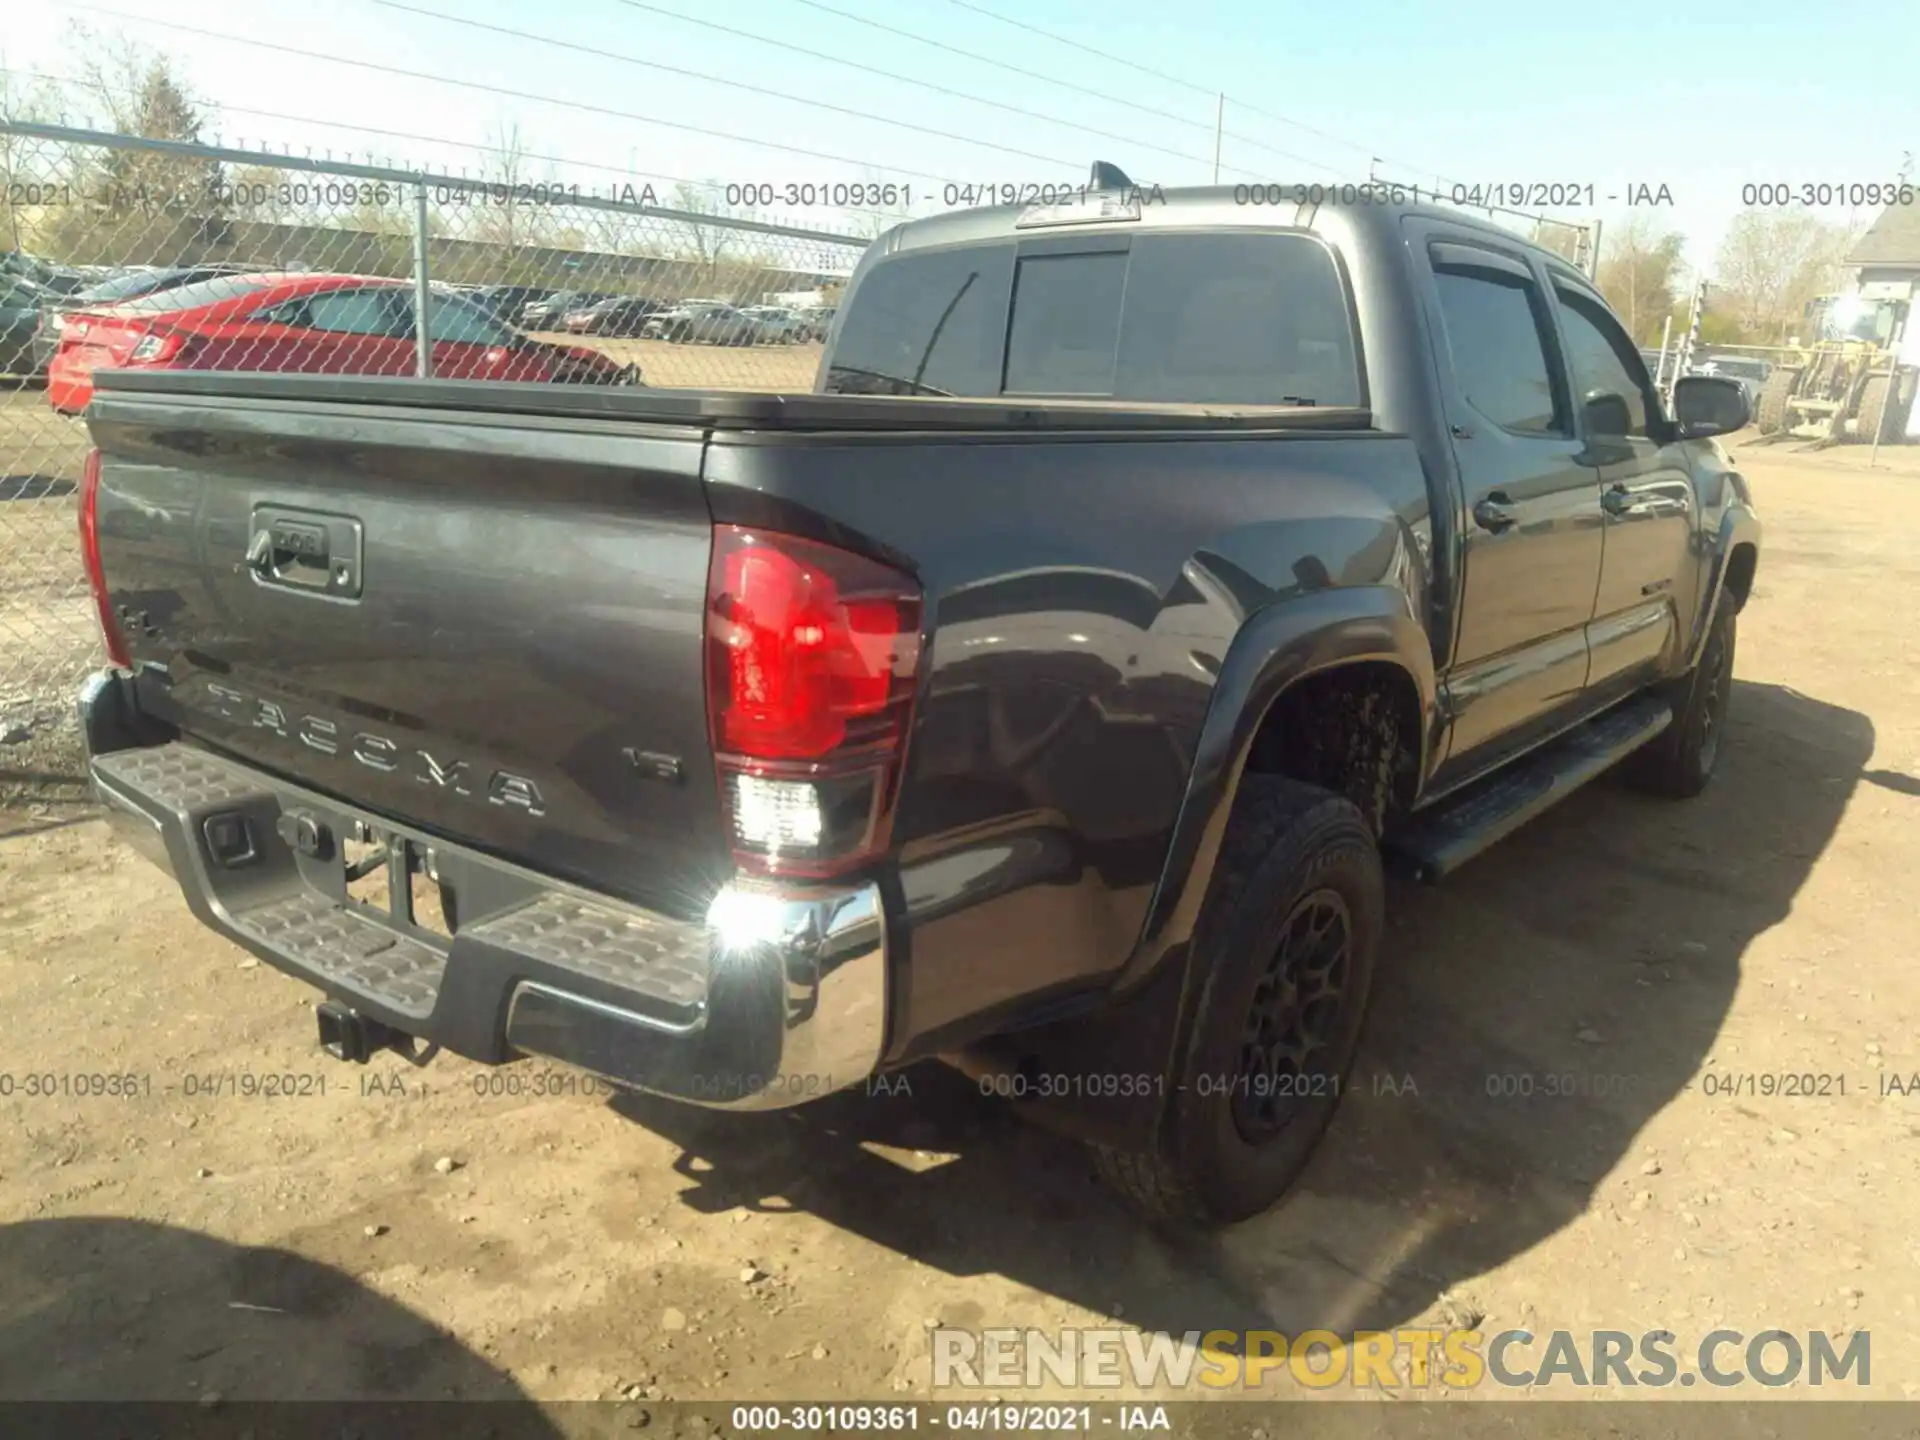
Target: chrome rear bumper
{"type": "Point", "coordinates": [778, 996]}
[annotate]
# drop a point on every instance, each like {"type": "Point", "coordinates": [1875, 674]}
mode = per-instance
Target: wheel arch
{"type": "Point", "coordinates": [1286, 662]}
{"type": "Point", "coordinates": [1736, 560]}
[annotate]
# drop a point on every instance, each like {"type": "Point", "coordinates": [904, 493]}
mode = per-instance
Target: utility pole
{"type": "Point", "coordinates": [1219, 128]}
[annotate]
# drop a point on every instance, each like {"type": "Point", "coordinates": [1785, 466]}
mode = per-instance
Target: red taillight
{"type": "Point", "coordinates": [812, 653]}
{"type": "Point", "coordinates": [90, 552]}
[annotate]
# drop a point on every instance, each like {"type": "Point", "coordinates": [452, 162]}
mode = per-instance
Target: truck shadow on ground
{"type": "Point", "coordinates": [1529, 1018]}
{"type": "Point", "coordinates": [110, 1310]}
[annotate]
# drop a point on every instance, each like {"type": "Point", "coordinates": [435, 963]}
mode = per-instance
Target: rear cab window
{"type": "Point", "coordinates": [1168, 317]}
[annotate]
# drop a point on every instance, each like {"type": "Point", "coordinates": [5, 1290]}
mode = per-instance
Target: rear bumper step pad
{"type": "Point", "coordinates": [777, 997]}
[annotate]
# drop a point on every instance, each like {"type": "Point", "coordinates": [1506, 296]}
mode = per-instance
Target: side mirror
{"type": "Point", "coordinates": [1608, 417]}
{"type": "Point", "coordinates": [1705, 405]}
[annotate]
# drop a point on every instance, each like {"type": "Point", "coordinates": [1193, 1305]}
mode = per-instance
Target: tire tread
{"type": "Point", "coordinates": [1157, 1185]}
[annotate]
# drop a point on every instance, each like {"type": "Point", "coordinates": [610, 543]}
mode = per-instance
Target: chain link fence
{"type": "Point", "coordinates": [309, 265]}
{"type": "Point", "coordinates": [316, 265]}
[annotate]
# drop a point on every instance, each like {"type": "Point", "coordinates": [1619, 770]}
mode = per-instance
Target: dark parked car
{"type": "Point", "coordinates": [22, 304]}
{"type": "Point", "coordinates": [1041, 695]}
{"type": "Point", "coordinates": [550, 312]}
{"type": "Point", "coordinates": [1749, 373]}
{"type": "Point", "coordinates": [625, 315]}
{"type": "Point", "coordinates": [57, 279]}
{"type": "Point", "coordinates": [508, 301]}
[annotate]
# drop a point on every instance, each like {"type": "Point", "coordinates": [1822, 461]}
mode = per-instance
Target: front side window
{"type": "Point", "coordinates": [1496, 335]}
{"type": "Point", "coordinates": [1601, 358]}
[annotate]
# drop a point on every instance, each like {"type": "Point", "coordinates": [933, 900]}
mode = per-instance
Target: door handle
{"type": "Point", "coordinates": [260, 552]}
{"type": "Point", "coordinates": [1494, 512]}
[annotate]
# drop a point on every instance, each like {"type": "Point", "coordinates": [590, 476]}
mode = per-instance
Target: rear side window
{"type": "Point", "coordinates": [1496, 333]}
{"type": "Point", "coordinates": [1244, 319]}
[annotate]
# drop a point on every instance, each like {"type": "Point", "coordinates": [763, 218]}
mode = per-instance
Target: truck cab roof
{"type": "Point", "coordinates": [1372, 208]}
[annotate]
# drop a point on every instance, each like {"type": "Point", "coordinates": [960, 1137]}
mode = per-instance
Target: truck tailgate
{"type": "Point", "coordinates": [488, 626]}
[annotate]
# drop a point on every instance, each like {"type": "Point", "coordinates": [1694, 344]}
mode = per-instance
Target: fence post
{"type": "Point", "coordinates": [1661, 381]}
{"type": "Point", "coordinates": [1593, 253]}
{"type": "Point", "coordinates": [422, 339]}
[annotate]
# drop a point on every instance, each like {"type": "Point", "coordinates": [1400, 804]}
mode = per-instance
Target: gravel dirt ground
{"type": "Point", "coordinates": [389, 1231]}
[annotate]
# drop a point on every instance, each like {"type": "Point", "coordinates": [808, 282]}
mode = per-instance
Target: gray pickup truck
{"type": "Point", "coordinates": [1044, 693]}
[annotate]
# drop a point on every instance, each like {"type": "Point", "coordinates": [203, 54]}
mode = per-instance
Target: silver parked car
{"type": "Point", "coordinates": [779, 325]}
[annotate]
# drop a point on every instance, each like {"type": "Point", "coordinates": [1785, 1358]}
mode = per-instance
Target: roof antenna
{"type": "Point", "coordinates": [1108, 177]}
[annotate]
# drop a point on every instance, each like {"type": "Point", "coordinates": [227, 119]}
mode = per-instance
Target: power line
{"type": "Point", "coordinates": [718, 80]}
{"type": "Point", "coordinates": [1177, 80]}
{"type": "Point", "coordinates": [590, 108]}
{"type": "Point", "coordinates": [80, 82]}
{"type": "Point", "coordinates": [503, 90]}
{"type": "Point", "coordinates": [831, 59]}
{"type": "Point", "coordinates": [1050, 80]}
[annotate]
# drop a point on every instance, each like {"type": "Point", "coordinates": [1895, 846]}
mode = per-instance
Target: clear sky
{"type": "Point", "coordinates": [1701, 97]}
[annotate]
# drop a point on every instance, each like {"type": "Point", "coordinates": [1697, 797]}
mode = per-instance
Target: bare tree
{"type": "Point", "coordinates": [149, 205]}
{"type": "Point", "coordinates": [1640, 275]}
{"type": "Point", "coordinates": [708, 244]}
{"type": "Point", "coordinates": [1773, 261]}
{"type": "Point", "coordinates": [511, 212]}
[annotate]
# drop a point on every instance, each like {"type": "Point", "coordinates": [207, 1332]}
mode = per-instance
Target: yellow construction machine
{"type": "Point", "coordinates": [1841, 380]}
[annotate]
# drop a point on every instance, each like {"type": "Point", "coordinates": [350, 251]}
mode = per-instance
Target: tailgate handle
{"type": "Point", "coordinates": [320, 554]}
{"type": "Point", "coordinates": [295, 554]}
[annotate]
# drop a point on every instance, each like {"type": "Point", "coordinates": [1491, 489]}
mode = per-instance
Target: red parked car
{"type": "Point", "coordinates": [324, 324]}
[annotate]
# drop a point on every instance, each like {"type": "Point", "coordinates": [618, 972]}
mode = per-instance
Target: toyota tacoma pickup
{"type": "Point", "coordinates": [1043, 693]}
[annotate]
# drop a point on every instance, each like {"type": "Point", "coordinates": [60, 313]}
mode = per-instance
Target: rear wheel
{"type": "Point", "coordinates": [1286, 948]}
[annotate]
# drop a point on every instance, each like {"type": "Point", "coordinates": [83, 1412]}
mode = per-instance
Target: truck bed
{"type": "Point", "coordinates": [729, 409]}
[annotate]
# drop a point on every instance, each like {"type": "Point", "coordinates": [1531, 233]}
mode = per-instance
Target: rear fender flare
{"type": "Point", "coordinates": [1275, 648]}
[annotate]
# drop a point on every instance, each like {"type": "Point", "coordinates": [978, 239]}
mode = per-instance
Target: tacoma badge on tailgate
{"type": "Point", "coordinates": [376, 752]}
